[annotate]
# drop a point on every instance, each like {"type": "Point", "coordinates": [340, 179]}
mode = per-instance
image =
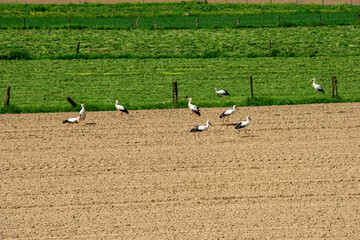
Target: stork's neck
{"type": "Point", "coordinates": [248, 119]}
{"type": "Point", "coordinates": [207, 124]}
{"type": "Point", "coordinates": [234, 107]}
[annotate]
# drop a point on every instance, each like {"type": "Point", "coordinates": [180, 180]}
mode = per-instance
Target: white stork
{"type": "Point", "coordinates": [200, 128]}
{"type": "Point", "coordinates": [317, 87]}
{"type": "Point", "coordinates": [194, 109]}
{"type": "Point", "coordinates": [222, 93]}
{"type": "Point", "coordinates": [71, 121]}
{"type": "Point", "coordinates": [242, 124]}
{"type": "Point", "coordinates": [227, 113]}
{"type": "Point", "coordinates": [121, 109]}
{"type": "Point", "coordinates": [82, 113]}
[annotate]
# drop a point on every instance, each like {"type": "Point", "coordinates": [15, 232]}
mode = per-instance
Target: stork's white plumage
{"type": "Point", "coordinates": [222, 93]}
{"type": "Point", "coordinates": [121, 109]}
{"type": "Point", "coordinates": [200, 128]}
{"type": "Point", "coordinates": [71, 121]}
{"type": "Point", "coordinates": [82, 113]}
{"type": "Point", "coordinates": [242, 124]}
{"type": "Point", "coordinates": [227, 113]}
{"type": "Point", "coordinates": [194, 109]}
{"type": "Point", "coordinates": [317, 87]}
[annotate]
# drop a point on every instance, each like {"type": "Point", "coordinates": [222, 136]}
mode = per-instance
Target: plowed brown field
{"type": "Point", "coordinates": [295, 176]}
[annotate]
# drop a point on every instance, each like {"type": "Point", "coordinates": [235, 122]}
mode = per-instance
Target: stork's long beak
{"type": "Point", "coordinates": [237, 108]}
{"type": "Point", "coordinates": [210, 123]}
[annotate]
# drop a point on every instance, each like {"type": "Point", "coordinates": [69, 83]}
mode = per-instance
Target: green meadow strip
{"type": "Point", "coordinates": [203, 43]}
{"type": "Point", "coordinates": [166, 9]}
{"type": "Point", "coordinates": [182, 22]}
{"type": "Point", "coordinates": [43, 85]}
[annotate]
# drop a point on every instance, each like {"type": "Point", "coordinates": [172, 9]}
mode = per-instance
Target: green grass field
{"type": "Point", "coordinates": [137, 66]}
{"type": "Point", "coordinates": [329, 41]}
{"type": "Point", "coordinates": [166, 9]}
{"type": "Point", "coordinates": [43, 85]}
{"type": "Point", "coordinates": [183, 22]}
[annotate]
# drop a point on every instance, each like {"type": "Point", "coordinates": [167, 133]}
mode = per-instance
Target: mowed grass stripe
{"type": "Point", "coordinates": [285, 42]}
{"type": "Point", "coordinates": [43, 85]}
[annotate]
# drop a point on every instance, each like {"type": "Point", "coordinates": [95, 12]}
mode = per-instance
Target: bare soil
{"type": "Point", "coordinates": [294, 176]}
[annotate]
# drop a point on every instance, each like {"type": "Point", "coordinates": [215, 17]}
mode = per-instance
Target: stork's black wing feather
{"type": "Point", "coordinates": [195, 129]}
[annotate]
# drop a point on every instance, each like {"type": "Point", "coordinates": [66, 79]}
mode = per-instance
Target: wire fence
{"type": "Point", "coordinates": [352, 2]}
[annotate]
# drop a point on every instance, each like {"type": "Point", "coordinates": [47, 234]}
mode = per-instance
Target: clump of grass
{"type": "Point", "coordinates": [16, 55]}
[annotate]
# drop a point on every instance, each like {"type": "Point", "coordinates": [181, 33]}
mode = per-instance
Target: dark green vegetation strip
{"type": "Point", "coordinates": [205, 43]}
{"type": "Point", "coordinates": [43, 85]}
{"type": "Point", "coordinates": [99, 10]}
{"type": "Point", "coordinates": [182, 22]}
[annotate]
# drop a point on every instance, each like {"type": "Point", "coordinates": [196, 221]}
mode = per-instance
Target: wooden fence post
{"type": "Point", "coordinates": [78, 47]}
{"type": "Point", "coordinates": [69, 20]}
{"type": "Point", "coordinates": [71, 102]}
{"type": "Point", "coordinates": [155, 24]}
{"type": "Point", "coordinates": [278, 20]}
{"type": "Point", "coordinates": [7, 96]}
{"type": "Point", "coordinates": [269, 44]}
{"type": "Point", "coordinates": [237, 21]}
{"type": "Point", "coordinates": [251, 88]}
{"type": "Point", "coordinates": [197, 22]}
{"type": "Point", "coordinates": [175, 92]}
{"type": "Point", "coordinates": [334, 86]}
{"type": "Point", "coordinates": [24, 22]}
{"type": "Point", "coordinates": [359, 17]}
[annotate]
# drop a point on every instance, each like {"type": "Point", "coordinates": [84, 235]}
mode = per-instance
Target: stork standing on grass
{"type": "Point", "coordinates": [227, 113]}
{"type": "Point", "coordinates": [82, 113]}
{"type": "Point", "coordinates": [71, 121]}
{"type": "Point", "coordinates": [317, 87]}
{"type": "Point", "coordinates": [222, 93]}
{"type": "Point", "coordinates": [200, 128]}
{"type": "Point", "coordinates": [121, 109]}
{"type": "Point", "coordinates": [194, 109]}
{"type": "Point", "coordinates": [243, 124]}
